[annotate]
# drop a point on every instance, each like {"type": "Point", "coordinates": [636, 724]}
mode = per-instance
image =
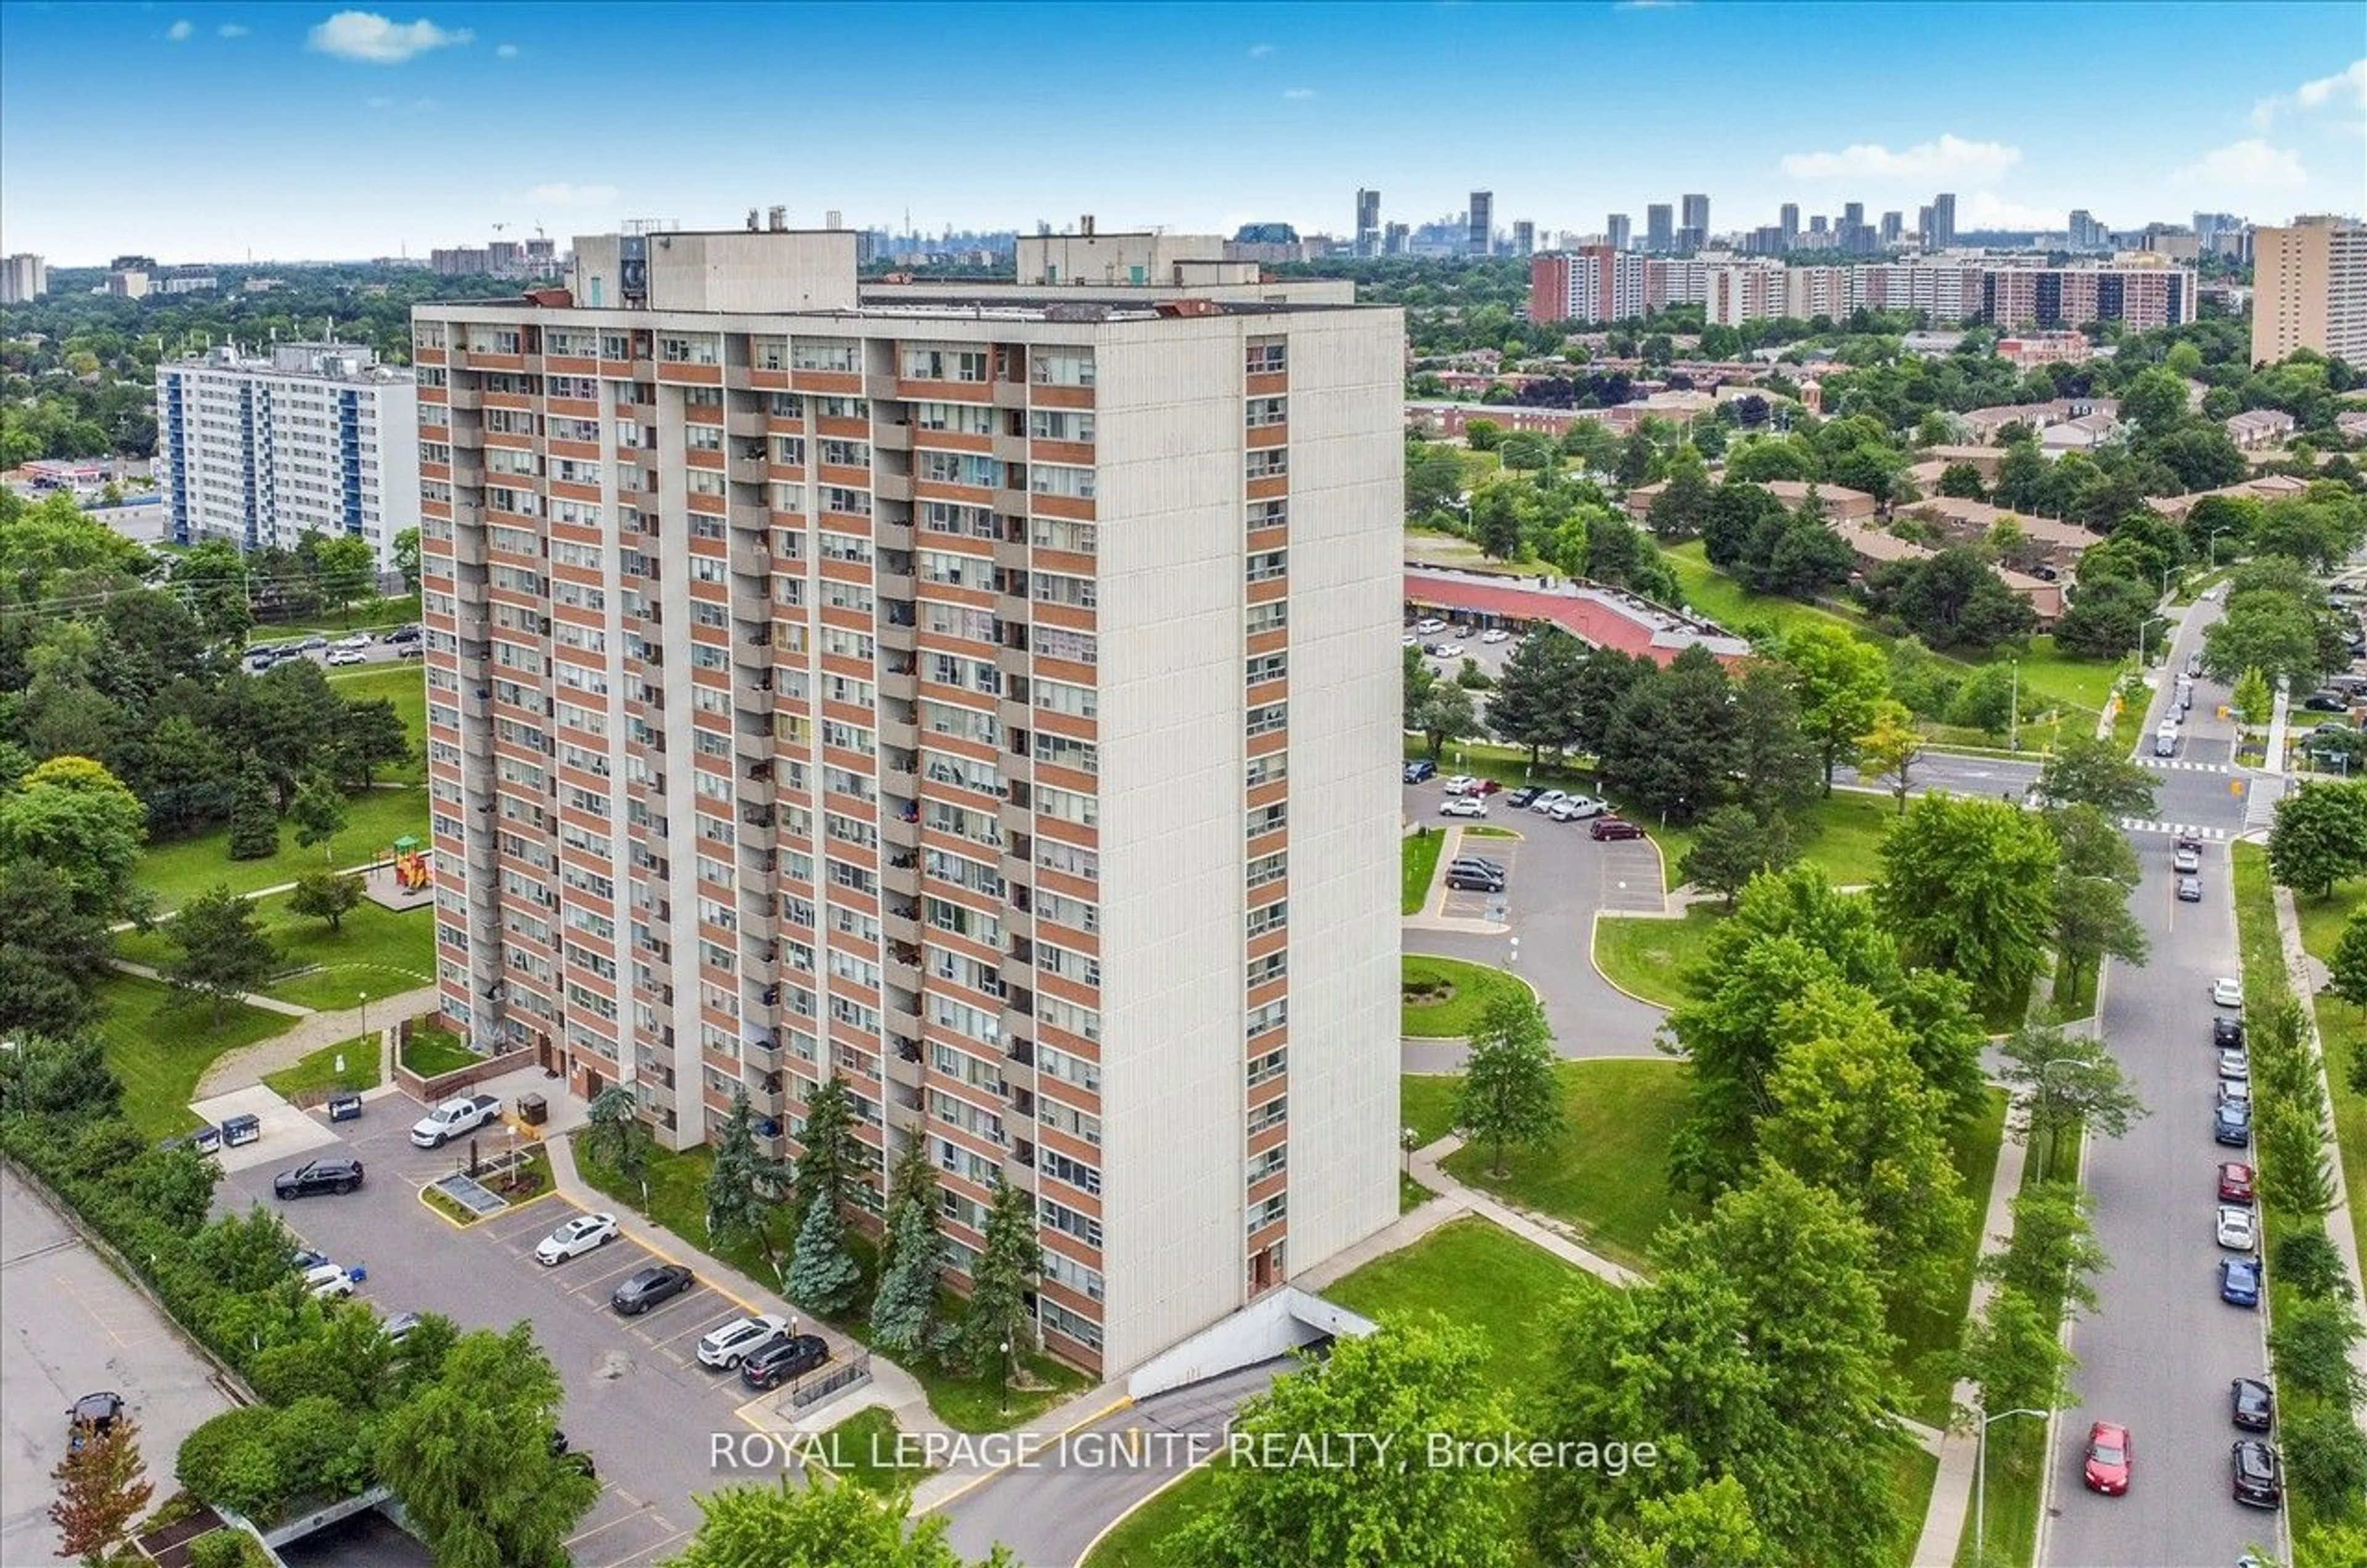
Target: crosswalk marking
{"type": "Point", "coordinates": [2167, 763]}
{"type": "Point", "coordinates": [2182, 830]}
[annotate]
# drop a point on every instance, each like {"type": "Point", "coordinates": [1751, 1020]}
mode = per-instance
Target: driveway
{"type": "Point", "coordinates": [70, 1326]}
{"type": "Point", "coordinates": [1558, 879]}
{"type": "Point", "coordinates": [636, 1398]}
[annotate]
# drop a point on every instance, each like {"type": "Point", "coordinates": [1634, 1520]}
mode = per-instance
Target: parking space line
{"type": "Point", "coordinates": [734, 1297]}
{"type": "Point", "coordinates": [641, 1318]}
{"type": "Point", "coordinates": [681, 1333]}
{"type": "Point", "coordinates": [648, 1553]}
{"type": "Point", "coordinates": [578, 1283]}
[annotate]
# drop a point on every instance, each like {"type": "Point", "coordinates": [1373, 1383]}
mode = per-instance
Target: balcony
{"type": "Point", "coordinates": [758, 792]}
{"type": "Point", "coordinates": [895, 436]}
{"type": "Point", "coordinates": [750, 470]}
{"type": "Point", "coordinates": [749, 559]}
{"type": "Point", "coordinates": [898, 635]}
{"type": "Point", "coordinates": [901, 923]}
{"type": "Point", "coordinates": [902, 1020]}
{"type": "Point", "coordinates": [895, 586]}
{"type": "Point", "coordinates": [891, 487]}
{"type": "Point", "coordinates": [755, 699]}
{"type": "Point", "coordinates": [893, 532]}
{"type": "Point", "coordinates": [468, 546]}
{"type": "Point", "coordinates": [744, 422]}
{"type": "Point", "coordinates": [900, 827]}
{"type": "Point", "coordinates": [754, 519]}
{"type": "Point", "coordinates": [896, 726]}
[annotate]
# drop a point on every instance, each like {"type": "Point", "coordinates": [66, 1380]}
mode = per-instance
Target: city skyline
{"type": "Point", "coordinates": [203, 98]}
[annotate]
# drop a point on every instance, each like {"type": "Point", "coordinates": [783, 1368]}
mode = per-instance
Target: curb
{"type": "Point", "coordinates": [1138, 1506]}
{"type": "Point", "coordinates": [974, 1483]}
{"type": "Point", "coordinates": [1592, 933]}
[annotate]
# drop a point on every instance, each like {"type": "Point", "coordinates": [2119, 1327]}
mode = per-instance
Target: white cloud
{"type": "Point", "coordinates": [373, 39]}
{"type": "Point", "coordinates": [231, 29]}
{"type": "Point", "coordinates": [507, 52]}
{"type": "Point", "coordinates": [2249, 165]}
{"type": "Point", "coordinates": [1949, 158]}
{"type": "Point", "coordinates": [1987, 209]}
{"type": "Point", "coordinates": [2343, 90]}
{"type": "Point", "coordinates": [1260, 51]}
{"type": "Point", "coordinates": [378, 104]}
{"type": "Point", "coordinates": [559, 193]}
{"type": "Point", "coordinates": [179, 32]}
{"type": "Point", "coordinates": [1299, 93]}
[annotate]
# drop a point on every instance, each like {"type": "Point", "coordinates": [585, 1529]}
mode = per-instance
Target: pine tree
{"type": "Point", "coordinates": [999, 1280]}
{"type": "Point", "coordinates": [904, 1312]}
{"type": "Point", "coordinates": [828, 1148]}
{"type": "Point", "coordinates": [823, 1277]}
{"type": "Point", "coordinates": [254, 816]}
{"type": "Point", "coordinates": [100, 1490]}
{"type": "Point", "coordinates": [742, 1181]}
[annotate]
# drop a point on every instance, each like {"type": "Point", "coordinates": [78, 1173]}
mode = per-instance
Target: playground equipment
{"type": "Point", "coordinates": [411, 871]}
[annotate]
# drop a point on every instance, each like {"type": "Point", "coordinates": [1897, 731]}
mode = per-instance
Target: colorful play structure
{"type": "Point", "coordinates": [411, 868]}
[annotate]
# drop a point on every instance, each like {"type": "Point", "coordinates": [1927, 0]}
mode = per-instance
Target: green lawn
{"type": "Point", "coordinates": [1646, 957]}
{"type": "Point", "coordinates": [405, 684]}
{"type": "Point", "coordinates": [1840, 834]}
{"type": "Point", "coordinates": [1605, 1173]}
{"type": "Point", "coordinates": [861, 1450]}
{"type": "Point", "coordinates": [375, 950]}
{"type": "Point", "coordinates": [1426, 1104]}
{"type": "Point", "coordinates": [1464, 991]}
{"type": "Point", "coordinates": [368, 613]}
{"type": "Point", "coordinates": [1738, 609]}
{"type": "Point", "coordinates": [319, 1070]}
{"type": "Point", "coordinates": [1140, 1541]}
{"type": "Point", "coordinates": [1420, 850]}
{"type": "Point", "coordinates": [179, 869]}
{"type": "Point", "coordinates": [1508, 765]}
{"type": "Point", "coordinates": [1921, 1331]}
{"type": "Point", "coordinates": [434, 1050]}
{"type": "Point", "coordinates": [161, 1045]}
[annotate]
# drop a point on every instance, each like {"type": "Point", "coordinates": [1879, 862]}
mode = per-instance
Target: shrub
{"type": "Point", "coordinates": [232, 1462]}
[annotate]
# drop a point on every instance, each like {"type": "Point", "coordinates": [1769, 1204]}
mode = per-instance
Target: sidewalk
{"type": "Point", "coordinates": [2306, 974]}
{"type": "Point", "coordinates": [241, 1068]}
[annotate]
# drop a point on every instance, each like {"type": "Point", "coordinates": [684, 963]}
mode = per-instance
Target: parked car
{"type": "Point", "coordinates": [1544, 801]}
{"type": "Point", "coordinates": [2107, 1467]}
{"type": "Point", "coordinates": [1577, 809]}
{"type": "Point", "coordinates": [304, 1258]}
{"type": "Point", "coordinates": [2227, 1031]}
{"type": "Point", "coordinates": [2236, 1229]}
{"type": "Point", "coordinates": [2231, 1125]}
{"type": "Point", "coordinates": [358, 640]}
{"type": "Point", "coordinates": [399, 1328]}
{"type": "Point", "coordinates": [1476, 881]}
{"type": "Point", "coordinates": [1477, 863]}
{"type": "Point", "coordinates": [577, 1236]}
{"type": "Point", "coordinates": [2235, 1062]}
{"type": "Point", "coordinates": [2252, 1405]}
{"type": "Point", "coordinates": [1457, 783]}
{"type": "Point", "coordinates": [404, 634]}
{"type": "Point", "coordinates": [1460, 628]}
{"type": "Point", "coordinates": [1495, 634]}
{"type": "Point", "coordinates": [2189, 890]}
{"type": "Point", "coordinates": [2234, 1182]}
{"type": "Point", "coordinates": [1603, 828]}
{"type": "Point", "coordinates": [726, 1346]}
{"type": "Point", "coordinates": [781, 1358]}
{"type": "Point", "coordinates": [331, 1173]}
{"type": "Point", "coordinates": [2235, 1092]}
{"type": "Point", "coordinates": [1449, 650]}
{"type": "Point", "coordinates": [411, 651]}
{"type": "Point", "coordinates": [1520, 799]}
{"type": "Point", "coordinates": [1463, 806]}
{"type": "Point", "coordinates": [2323, 702]}
{"type": "Point", "coordinates": [91, 1415]}
{"type": "Point", "coordinates": [645, 1288]}
{"type": "Point", "coordinates": [462, 1114]}
{"type": "Point", "coordinates": [1429, 624]}
{"type": "Point", "coordinates": [1485, 787]}
{"type": "Point", "coordinates": [2239, 1282]}
{"type": "Point", "coordinates": [346, 656]}
{"type": "Point", "coordinates": [2186, 860]}
{"type": "Point", "coordinates": [1420, 768]}
{"type": "Point", "coordinates": [2259, 1480]}
{"type": "Point", "coordinates": [312, 644]}
{"type": "Point", "coordinates": [328, 1282]}
{"type": "Point", "coordinates": [2227, 992]}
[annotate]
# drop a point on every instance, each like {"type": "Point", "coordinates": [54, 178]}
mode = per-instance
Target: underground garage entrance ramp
{"type": "Point", "coordinates": [1275, 1325]}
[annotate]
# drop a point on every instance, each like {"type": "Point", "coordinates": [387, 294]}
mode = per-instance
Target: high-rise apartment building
{"type": "Point", "coordinates": [24, 277]}
{"type": "Point", "coordinates": [1525, 237]}
{"type": "Point", "coordinates": [317, 437]}
{"type": "Point", "coordinates": [1696, 218]}
{"type": "Point", "coordinates": [1788, 220]}
{"type": "Point", "coordinates": [1941, 231]}
{"type": "Point", "coordinates": [2309, 289]}
{"type": "Point", "coordinates": [1481, 219]}
{"type": "Point", "coordinates": [1616, 231]}
{"type": "Point", "coordinates": [2085, 233]}
{"type": "Point", "coordinates": [1394, 239]}
{"type": "Point", "coordinates": [1893, 228]}
{"type": "Point", "coordinates": [1659, 227]}
{"type": "Point", "coordinates": [1368, 222]}
{"type": "Point", "coordinates": [904, 691]}
{"type": "Point", "coordinates": [1591, 284]}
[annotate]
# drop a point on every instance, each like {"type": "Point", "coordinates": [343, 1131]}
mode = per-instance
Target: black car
{"type": "Point", "coordinates": [781, 1358]}
{"type": "Point", "coordinates": [1519, 799]}
{"type": "Point", "coordinates": [2231, 1125]}
{"type": "Point", "coordinates": [1477, 863]}
{"type": "Point", "coordinates": [92, 1415]}
{"type": "Point", "coordinates": [336, 1173]}
{"type": "Point", "coordinates": [2227, 1031]}
{"type": "Point", "coordinates": [2259, 1479]}
{"type": "Point", "coordinates": [1476, 881]}
{"type": "Point", "coordinates": [2252, 1405]}
{"type": "Point", "coordinates": [646, 1288]}
{"type": "Point", "coordinates": [2323, 702]}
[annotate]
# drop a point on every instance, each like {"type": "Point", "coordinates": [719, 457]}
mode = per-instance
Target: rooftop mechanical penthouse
{"type": "Point", "coordinates": [993, 701]}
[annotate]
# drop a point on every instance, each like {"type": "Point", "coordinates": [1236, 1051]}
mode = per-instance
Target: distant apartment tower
{"type": "Point", "coordinates": [1940, 232]}
{"type": "Point", "coordinates": [1525, 237]}
{"type": "Point", "coordinates": [1395, 238]}
{"type": "Point", "coordinates": [1695, 227]}
{"type": "Point", "coordinates": [316, 437]}
{"type": "Point", "coordinates": [1788, 221]}
{"type": "Point", "coordinates": [24, 277]}
{"type": "Point", "coordinates": [1893, 228]}
{"type": "Point", "coordinates": [820, 685]}
{"type": "Point", "coordinates": [1481, 240]}
{"type": "Point", "coordinates": [2085, 233]}
{"type": "Point", "coordinates": [1616, 231]}
{"type": "Point", "coordinates": [1368, 222]}
{"type": "Point", "coordinates": [1659, 227]}
{"type": "Point", "coordinates": [1591, 285]}
{"type": "Point", "coordinates": [2309, 289]}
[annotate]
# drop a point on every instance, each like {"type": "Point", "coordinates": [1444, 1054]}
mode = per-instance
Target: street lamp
{"type": "Point", "coordinates": [1981, 1482]}
{"type": "Point", "coordinates": [1006, 1364]}
{"type": "Point", "coordinates": [2013, 709]}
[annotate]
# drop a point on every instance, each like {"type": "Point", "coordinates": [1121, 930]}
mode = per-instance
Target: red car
{"type": "Point", "coordinates": [1484, 786]}
{"type": "Point", "coordinates": [2107, 1469]}
{"type": "Point", "coordinates": [2235, 1183]}
{"type": "Point", "coordinates": [1612, 828]}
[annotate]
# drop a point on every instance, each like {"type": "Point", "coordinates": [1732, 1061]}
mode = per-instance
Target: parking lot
{"type": "Point", "coordinates": [71, 1326]}
{"type": "Point", "coordinates": [637, 1399]}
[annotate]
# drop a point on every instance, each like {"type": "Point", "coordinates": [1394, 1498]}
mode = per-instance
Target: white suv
{"type": "Point", "coordinates": [727, 1345]}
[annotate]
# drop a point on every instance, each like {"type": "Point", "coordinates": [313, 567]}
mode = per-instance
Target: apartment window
{"type": "Point", "coordinates": [1073, 647]}
{"type": "Point", "coordinates": [1267, 918]}
{"type": "Point", "coordinates": [1267, 717]}
{"type": "Point", "coordinates": [1273, 1114]}
{"type": "Point", "coordinates": [846, 454]}
{"type": "Point", "coordinates": [1061, 424]}
{"type": "Point", "coordinates": [945, 364]}
{"type": "Point", "coordinates": [846, 408]}
{"type": "Point", "coordinates": [1267, 356]}
{"type": "Point", "coordinates": [1082, 1022]}
{"type": "Point", "coordinates": [1266, 667]}
{"type": "Point", "coordinates": [844, 501]}
{"type": "Point", "coordinates": [1063, 910]}
{"type": "Point", "coordinates": [1060, 697]}
{"type": "Point", "coordinates": [959, 468]}
{"type": "Point", "coordinates": [786, 405]}
{"type": "Point", "coordinates": [1268, 868]}
{"type": "Point", "coordinates": [960, 419]}
{"type": "Point", "coordinates": [1053, 854]}
{"type": "Point", "coordinates": [1068, 805]}
{"type": "Point", "coordinates": [1075, 1172]}
{"type": "Point", "coordinates": [1057, 588]}
{"type": "Point", "coordinates": [1275, 514]}
{"type": "Point", "coordinates": [1062, 751]}
{"type": "Point", "coordinates": [823, 353]}
{"type": "Point", "coordinates": [1267, 819]}
{"type": "Point", "coordinates": [1077, 966]}
{"type": "Point", "coordinates": [1069, 1068]}
{"type": "Point", "coordinates": [1060, 478]}
{"type": "Point", "coordinates": [1064, 534]}
{"type": "Point", "coordinates": [1269, 1067]}
{"type": "Point", "coordinates": [1269, 462]}
{"type": "Point", "coordinates": [953, 517]}
{"type": "Point", "coordinates": [687, 350]}
{"type": "Point", "coordinates": [703, 437]}
{"type": "Point", "coordinates": [1069, 1221]}
{"type": "Point", "coordinates": [1059, 1319]}
{"type": "Point", "coordinates": [1272, 615]}
{"type": "Point", "coordinates": [1060, 367]}
{"type": "Point", "coordinates": [1263, 412]}
{"type": "Point", "coordinates": [1264, 566]}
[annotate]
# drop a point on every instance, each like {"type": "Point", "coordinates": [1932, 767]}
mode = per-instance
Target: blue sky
{"type": "Point", "coordinates": [293, 131]}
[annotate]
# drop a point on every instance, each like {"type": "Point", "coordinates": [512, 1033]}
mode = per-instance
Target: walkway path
{"type": "Point", "coordinates": [241, 1068]}
{"type": "Point", "coordinates": [1453, 1201]}
{"type": "Point", "coordinates": [2307, 975]}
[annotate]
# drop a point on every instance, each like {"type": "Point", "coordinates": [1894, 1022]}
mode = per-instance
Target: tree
{"type": "Point", "coordinates": [2154, 401]}
{"type": "Point", "coordinates": [1446, 715]}
{"type": "Point", "coordinates": [253, 816]}
{"type": "Point", "coordinates": [1535, 702]}
{"type": "Point", "coordinates": [2088, 844]}
{"type": "Point", "coordinates": [2060, 1081]}
{"type": "Point", "coordinates": [997, 1323]}
{"type": "Point", "coordinates": [2319, 836]}
{"type": "Point", "coordinates": [1837, 678]}
{"type": "Point", "coordinates": [2266, 630]}
{"type": "Point", "coordinates": [1509, 1093]}
{"type": "Point", "coordinates": [2326, 1459]}
{"type": "Point", "coordinates": [347, 569]}
{"type": "Point", "coordinates": [1986, 701]}
{"type": "Point", "coordinates": [325, 896]}
{"type": "Point", "coordinates": [1707, 1524]}
{"type": "Point", "coordinates": [53, 953]}
{"type": "Point", "coordinates": [2087, 772]}
{"type": "Point", "coordinates": [743, 1184]}
{"type": "Point", "coordinates": [1733, 845]}
{"type": "Point", "coordinates": [1405, 1388]}
{"type": "Point", "coordinates": [1966, 886]}
{"type": "Point", "coordinates": [469, 1457]}
{"type": "Point", "coordinates": [819, 1523]}
{"type": "Point", "coordinates": [2347, 974]}
{"type": "Point", "coordinates": [1482, 435]}
{"type": "Point", "coordinates": [101, 1489]}
{"type": "Point", "coordinates": [1891, 747]}
{"type": "Point", "coordinates": [319, 814]}
{"type": "Point", "coordinates": [406, 557]}
{"type": "Point", "coordinates": [2014, 1355]}
{"type": "Point", "coordinates": [822, 1277]}
{"type": "Point", "coordinates": [1496, 520]}
{"type": "Point", "coordinates": [1964, 481]}
{"type": "Point", "coordinates": [904, 1309]}
{"type": "Point", "coordinates": [1679, 510]}
{"type": "Point", "coordinates": [2053, 1251]}
{"type": "Point", "coordinates": [368, 734]}
{"type": "Point", "coordinates": [2312, 1341]}
{"type": "Point", "coordinates": [616, 1136]}
{"type": "Point", "coordinates": [1604, 682]}
{"type": "Point", "coordinates": [1638, 459]}
{"type": "Point", "coordinates": [1418, 683]}
{"type": "Point", "coordinates": [224, 950]}
{"type": "Point", "coordinates": [1774, 760]}
{"type": "Point", "coordinates": [827, 1150]}
{"type": "Point", "coordinates": [72, 814]}
{"type": "Point", "coordinates": [2092, 923]}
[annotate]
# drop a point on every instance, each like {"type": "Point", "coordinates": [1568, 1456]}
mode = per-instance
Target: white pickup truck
{"type": "Point", "coordinates": [464, 1114]}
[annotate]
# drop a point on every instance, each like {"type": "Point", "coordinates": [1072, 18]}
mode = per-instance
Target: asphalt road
{"type": "Point", "coordinates": [1049, 1513]}
{"type": "Point", "coordinates": [377, 653]}
{"type": "Point", "coordinates": [2157, 1354]}
{"type": "Point", "coordinates": [635, 1398]}
{"type": "Point", "coordinates": [70, 1326]}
